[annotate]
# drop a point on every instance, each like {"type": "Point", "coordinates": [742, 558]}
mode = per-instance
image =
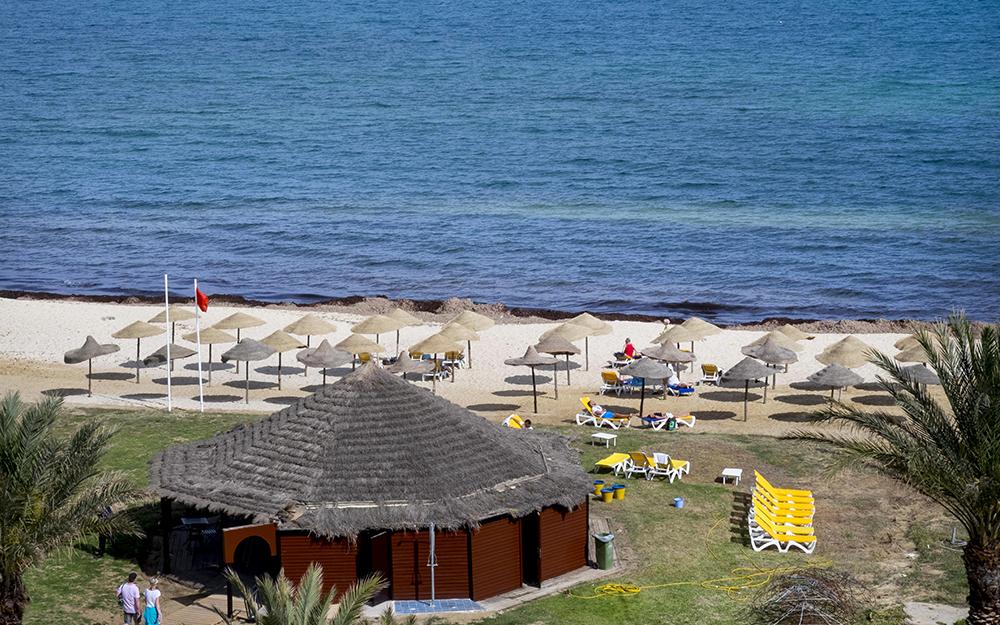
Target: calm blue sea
{"type": "Point", "coordinates": [738, 159]}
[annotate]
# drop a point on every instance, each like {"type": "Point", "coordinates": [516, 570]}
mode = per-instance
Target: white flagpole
{"type": "Point", "coordinates": [197, 332]}
{"type": "Point", "coordinates": [166, 304]}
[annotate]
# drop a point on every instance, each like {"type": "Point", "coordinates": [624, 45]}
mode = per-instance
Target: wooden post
{"type": "Point", "coordinates": [534, 389]}
{"type": "Point", "coordinates": [165, 526]}
{"type": "Point", "coordinates": [90, 378]}
{"type": "Point", "coordinates": [137, 361]}
{"type": "Point", "coordinates": [229, 600]}
{"type": "Point", "coordinates": [567, 369]}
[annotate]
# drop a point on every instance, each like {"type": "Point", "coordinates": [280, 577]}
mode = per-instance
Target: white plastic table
{"type": "Point", "coordinates": [606, 437]}
{"type": "Point", "coordinates": [736, 474]}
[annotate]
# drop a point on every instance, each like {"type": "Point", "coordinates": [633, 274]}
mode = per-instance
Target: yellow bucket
{"type": "Point", "coordinates": [619, 491]}
{"type": "Point", "coordinates": [607, 494]}
{"type": "Point", "coordinates": [598, 485]}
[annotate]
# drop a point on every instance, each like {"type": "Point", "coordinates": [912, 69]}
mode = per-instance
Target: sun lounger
{"type": "Point", "coordinates": [514, 422]}
{"type": "Point", "coordinates": [636, 464]}
{"type": "Point", "coordinates": [658, 420]}
{"type": "Point", "coordinates": [679, 391]}
{"type": "Point", "coordinates": [608, 418]}
{"type": "Point", "coordinates": [710, 374]}
{"type": "Point", "coordinates": [780, 517]}
{"type": "Point", "coordinates": [764, 533]}
{"type": "Point", "coordinates": [611, 381]}
{"type": "Point", "coordinates": [662, 465]}
{"type": "Point", "coordinates": [615, 462]}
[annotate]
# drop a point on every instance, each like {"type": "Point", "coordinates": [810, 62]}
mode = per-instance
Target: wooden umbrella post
{"type": "Point", "coordinates": [555, 377]}
{"type": "Point", "coordinates": [305, 369]}
{"type": "Point", "coordinates": [586, 350]}
{"type": "Point", "coordinates": [90, 377]}
{"type": "Point", "coordinates": [279, 371]}
{"type": "Point", "coordinates": [469, 350]}
{"type": "Point", "coordinates": [210, 364]}
{"type": "Point", "coordinates": [567, 369]}
{"type": "Point", "coordinates": [746, 397]}
{"type": "Point", "coordinates": [642, 397]}
{"type": "Point", "coordinates": [534, 388]}
{"type": "Point", "coordinates": [238, 342]}
{"type": "Point", "coordinates": [137, 361]}
{"type": "Point", "coordinates": [247, 395]}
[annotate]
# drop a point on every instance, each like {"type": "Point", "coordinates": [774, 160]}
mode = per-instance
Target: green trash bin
{"type": "Point", "coordinates": [605, 550]}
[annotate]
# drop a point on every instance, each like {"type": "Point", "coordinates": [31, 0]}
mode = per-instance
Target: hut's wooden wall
{"type": "Point", "coordinates": [338, 557]}
{"type": "Point", "coordinates": [411, 577]}
{"type": "Point", "coordinates": [563, 538]}
{"type": "Point", "coordinates": [496, 558]}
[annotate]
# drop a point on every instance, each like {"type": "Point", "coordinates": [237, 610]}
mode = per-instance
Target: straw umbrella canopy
{"type": "Point", "coordinates": [88, 351]}
{"type": "Point", "coordinates": [781, 339]}
{"type": "Point", "coordinates": [848, 352]}
{"type": "Point", "coordinates": [794, 333]}
{"type": "Point", "coordinates": [920, 374]}
{"type": "Point", "coordinates": [668, 353]}
{"type": "Point", "coordinates": [532, 359]}
{"type": "Point", "coordinates": [238, 321]}
{"type": "Point", "coordinates": [746, 370]}
{"type": "Point", "coordinates": [907, 342]}
{"type": "Point", "coordinates": [473, 320]}
{"type": "Point", "coordinates": [356, 344]}
{"type": "Point", "coordinates": [835, 377]}
{"type": "Point", "coordinates": [404, 364]}
{"type": "Point", "coordinates": [437, 344]}
{"type": "Point", "coordinates": [557, 346]}
{"type": "Point", "coordinates": [138, 331]}
{"type": "Point", "coordinates": [644, 368]}
{"type": "Point", "coordinates": [177, 352]}
{"type": "Point", "coordinates": [405, 319]}
{"type": "Point", "coordinates": [912, 354]}
{"type": "Point", "coordinates": [701, 327]}
{"type": "Point", "coordinates": [210, 337]}
{"type": "Point", "coordinates": [308, 326]}
{"type": "Point", "coordinates": [281, 342]}
{"type": "Point", "coordinates": [377, 324]}
{"type": "Point", "coordinates": [458, 332]}
{"type": "Point", "coordinates": [596, 327]}
{"type": "Point", "coordinates": [323, 356]}
{"type": "Point", "coordinates": [248, 350]}
{"type": "Point", "coordinates": [177, 313]}
{"type": "Point", "coordinates": [772, 352]}
{"type": "Point", "coordinates": [677, 335]}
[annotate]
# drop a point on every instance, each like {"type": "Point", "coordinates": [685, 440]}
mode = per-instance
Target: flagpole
{"type": "Point", "coordinates": [197, 332]}
{"type": "Point", "coordinates": [166, 304]}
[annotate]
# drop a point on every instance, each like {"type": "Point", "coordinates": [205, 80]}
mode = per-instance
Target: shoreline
{"type": "Point", "coordinates": [440, 309]}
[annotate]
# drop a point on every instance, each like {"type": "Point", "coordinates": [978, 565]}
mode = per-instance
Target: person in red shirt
{"type": "Point", "coordinates": [630, 349]}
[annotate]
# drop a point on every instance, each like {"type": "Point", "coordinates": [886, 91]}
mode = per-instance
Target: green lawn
{"type": "Point", "coordinates": [672, 553]}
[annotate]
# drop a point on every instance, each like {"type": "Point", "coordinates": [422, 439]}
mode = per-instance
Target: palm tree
{"type": "Point", "coordinates": [284, 603]}
{"type": "Point", "coordinates": [51, 493]}
{"type": "Point", "coordinates": [949, 451]}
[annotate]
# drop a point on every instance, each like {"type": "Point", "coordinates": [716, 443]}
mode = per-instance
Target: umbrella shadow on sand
{"type": "Point", "coordinates": [112, 375]}
{"type": "Point", "coordinates": [67, 392]}
{"type": "Point", "coordinates": [145, 396]}
{"type": "Point", "coordinates": [792, 417]}
{"type": "Point", "coordinates": [802, 400]}
{"type": "Point", "coordinates": [517, 393]}
{"type": "Point", "coordinates": [214, 366]}
{"type": "Point", "coordinates": [525, 380]}
{"type": "Point", "coordinates": [178, 380]}
{"type": "Point", "coordinates": [875, 400]}
{"type": "Point", "coordinates": [732, 396]}
{"type": "Point", "coordinates": [255, 385]}
{"type": "Point", "coordinates": [713, 415]}
{"type": "Point", "coordinates": [872, 387]}
{"type": "Point", "coordinates": [220, 399]}
{"type": "Point", "coordinates": [285, 370]}
{"type": "Point", "coordinates": [286, 400]}
{"type": "Point", "coordinates": [133, 364]}
{"type": "Point", "coordinates": [493, 407]}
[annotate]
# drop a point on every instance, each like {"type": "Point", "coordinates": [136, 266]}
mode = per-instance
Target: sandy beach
{"type": "Point", "coordinates": [35, 334]}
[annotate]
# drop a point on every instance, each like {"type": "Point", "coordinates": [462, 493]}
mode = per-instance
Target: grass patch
{"type": "Point", "coordinates": [938, 574]}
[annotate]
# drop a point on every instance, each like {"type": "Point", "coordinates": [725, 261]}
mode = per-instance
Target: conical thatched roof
{"type": "Point", "coordinates": [920, 374]}
{"type": "Point", "coordinates": [912, 354]}
{"type": "Point", "coordinates": [159, 357]}
{"type": "Point", "coordinates": [907, 342]}
{"type": "Point", "coordinates": [90, 349]}
{"type": "Point", "coordinates": [748, 369]}
{"type": "Point", "coordinates": [323, 355]}
{"type": "Point", "coordinates": [458, 332]}
{"type": "Point", "coordinates": [210, 336]}
{"type": "Point", "coordinates": [238, 321]}
{"type": "Point", "coordinates": [310, 325]}
{"type": "Point", "coordinates": [556, 345]}
{"type": "Point", "coordinates": [646, 368]}
{"type": "Point", "coordinates": [369, 452]}
{"type": "Point", "coordinates": [531, 358]}
{"type": "Point", "coordinates": [282, 341]}
{"type": "Point", "coordinates": [569, 331]}
{"type": "Point", "coordinates": [592, 323]}
{"type": "Point", "coordinates": [779, 338]}
{"type": "Point", "coordinates": [701, 327]}
{"type": "Point", "coordinates": [405, 364]}
{"type": "Point", "coordinates": [667, 352]}
{"type": "Point", "coordinates": [771, 351]}
{"type": "Point", "coordinates": [404, 318]}
{"type": "Point", "coordinates": [357, 344]}
{"type": "Point", "coordinates": [436, 344]}
{"type": "Point", "coordinates": [677, 334]}
{"type": "Point", "coordinates": [377, 324]}
{"type": "Point", "coordinates": [473, 321]}
{"type": "Point", "coordinates": [177, 313]}
{"type": "Point", "coordinates": [848, 352]}
{"type": "Point", "coordinates": [835, 376]}
{"type": "Point", "coordinates": [138, 330]}
{"type": "Point", "coordinates": [794, 333]}
{"type": "Point", "coordinates": [247, 350]}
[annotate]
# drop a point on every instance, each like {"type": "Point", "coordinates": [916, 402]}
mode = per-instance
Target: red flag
{"type": "Point", "coordinates": [202, 300]}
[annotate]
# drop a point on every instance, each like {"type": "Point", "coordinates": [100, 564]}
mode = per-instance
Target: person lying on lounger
{"type": "Point", "coordinates": [675, 383]}
{"type": "Point", "coordinates": [601, 413]}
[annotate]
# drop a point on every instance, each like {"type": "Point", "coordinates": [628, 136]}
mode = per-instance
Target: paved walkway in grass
{"type": "Point", "coordinates": [934, 613]}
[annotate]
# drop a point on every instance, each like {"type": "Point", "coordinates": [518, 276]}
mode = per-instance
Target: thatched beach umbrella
{"type": "Point", "coordinates": [377, 324]}
{"type": "Point", "coordinates": [458, 332]}
{"type": "Point", "coordinates": [248, 350]}
{"type": "Point", "coordinates": [323, 356]}
{"type": "Point", "coordinates": [238, 321]}
{"type": "Point", "coordinates": [848, 352]}
{"type": "Point", "coordinates": [281, 342]}
{"type": "Point", "coordinates": [405, 319]}
{"type": "Point", "coordinates": [779, 338]}
{"type": "Point", "coordinates": [920, 374]}
{"type": "Point", "coordinates": [907, 342]}
{"type": "Point", "coordinates": [772, 352]}
{"type": "Point", "coordinates": [746, 370]}
{"type": "Point", "coordinates": [646, 368]}
{"type": "Point", "coordinates": [835, 377]}
{"type": "Point", "coordinates": [557, 346]}
{"type": "Point", "coordinates": [309, 326]}
{"type": "Point", "coordinates": [596, 327]}
{"type": "Point", "coordinates": [138, 331]}
{"type": "Point", "coordinates": [532, 359]}
{"type": "Point", "coordinates": [404, 364]}
{"type": "Point", "coordinates": [356, 344]}
{"type": "Point", "coordinates": [794, 333]}
{"type": "Point", "coordinates": [210, 337]}
{"type": "Point", "coordinates": [676, 335]}
{"type": "Point", "coordinates": [159, 357]}
{"type": "Point", "coordinates": [913, 354]}
{"type": "Point", "coordinates": [88, 351]}
{"type": "Point", "coordinates": [437, 344]}
{"type": "Point", "coordinates": [473, 320]}
{"type": "Point", "coordinates": [177, 313]}
{"type": "Point", "coordinates": [667, 352]}
{"type": "Point", "coordinates": [701, 327]}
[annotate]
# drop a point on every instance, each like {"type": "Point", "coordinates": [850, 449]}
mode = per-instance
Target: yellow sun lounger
{"type": "Point", "coordinates": [614, 462]}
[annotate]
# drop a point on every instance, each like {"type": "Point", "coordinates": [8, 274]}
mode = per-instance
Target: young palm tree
{"type": "Point", "coordinates": [284, 603]}
{"type": "Point", "coordinates": [51, 493]}
{"type": "Point", "coordinates": [949, 451]}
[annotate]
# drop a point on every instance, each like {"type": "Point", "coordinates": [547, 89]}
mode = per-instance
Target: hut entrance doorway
{"type": "Point", "coordinates": [378, 559]}
{"type": "Point", "coordinates": [531, 550]}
